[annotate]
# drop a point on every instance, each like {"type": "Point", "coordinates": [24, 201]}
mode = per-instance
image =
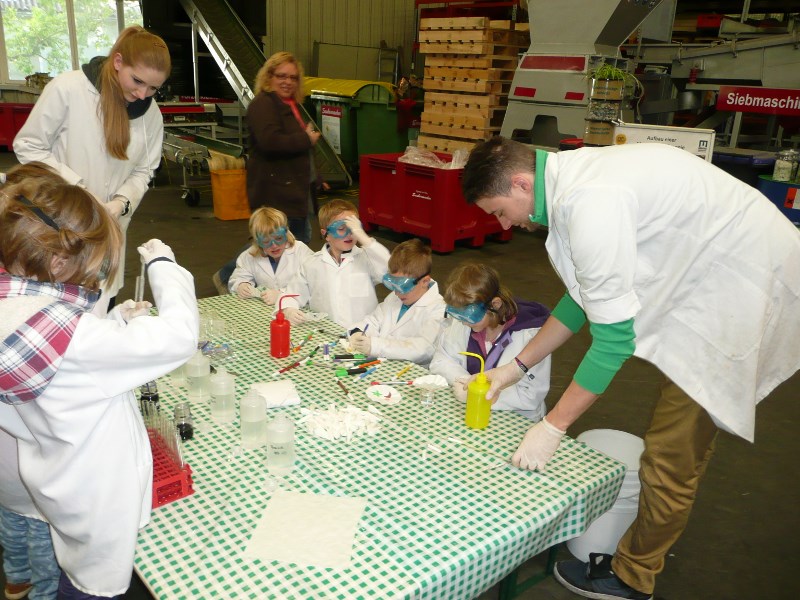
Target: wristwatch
{"type": "Point", "coordinates": [126, 207]}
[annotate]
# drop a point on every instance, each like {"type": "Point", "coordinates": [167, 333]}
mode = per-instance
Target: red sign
{"type": "Point", "coordinates": [792, 201]}
{"type": "Point", "coordinates": [332, 111]}
{"type": "Point", "coordinates": [773, 101]}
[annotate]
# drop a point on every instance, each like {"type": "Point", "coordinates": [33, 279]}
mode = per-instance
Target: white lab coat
{"type": "Point", "coordinates": [84, 453]}
{"type": "Point", "coordinates": [258, 269]}
{"type": "Point", "coordinates": [13, 495]}
{"type": "Point", "coordinates": [709, 268]}
{"type": "Point", "coordinates": [345, 291]}
{"type": "Point", "coordinates": [411, 338]}
{"type": "Point", "coordinates": [525, 397]}
{"type": "Point", "coordinates": [65, 131]}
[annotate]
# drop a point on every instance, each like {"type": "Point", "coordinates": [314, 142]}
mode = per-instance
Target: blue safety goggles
{"type": "Point", "coordinates": [278, 238]}
{"type": "Point", "coordinates": [400, 284]}
{"type": "Point", "coordinates": [338, 229]}
{"type": "Point", "coordinates": [469, 314]}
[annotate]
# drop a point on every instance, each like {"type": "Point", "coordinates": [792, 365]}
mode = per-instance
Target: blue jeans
{"type": "Point", "coordinates": [28, 554]}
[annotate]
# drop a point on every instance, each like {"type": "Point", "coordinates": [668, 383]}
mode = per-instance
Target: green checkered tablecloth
{"type": "Point", "coordinates": [437, 525]}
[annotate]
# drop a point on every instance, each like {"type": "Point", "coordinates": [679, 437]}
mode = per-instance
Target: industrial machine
{"type": "Point", "coordinates": [550, 91]}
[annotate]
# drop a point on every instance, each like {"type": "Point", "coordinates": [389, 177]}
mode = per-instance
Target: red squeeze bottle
{"type": "Point", "coordinates": [279, 329]}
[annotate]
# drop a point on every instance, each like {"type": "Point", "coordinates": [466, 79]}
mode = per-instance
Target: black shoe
{"type": "Point", "coordinates": [595, 579]}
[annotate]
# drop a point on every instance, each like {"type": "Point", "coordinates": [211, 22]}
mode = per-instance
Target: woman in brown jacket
{"type": "Point", "coordinates": [280, 167]}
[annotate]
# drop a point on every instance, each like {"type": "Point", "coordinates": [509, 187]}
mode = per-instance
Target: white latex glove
{"type": "Point", "coordinates": [271, 296]}
{"type": "Point", "coordinates": [360, 343]}
{"type": "Point", "coordinates": [155, 249]}
{"type": "Point", "coordinates": [115, 207]}
{"type": "Point", "coordinates": [502, 377]}
{"type": "Point", "coordinates": [538, 446]}
{"type": "Point", "coordinates": [295, 316]}
{"type": "Point", "coordinates": [357, 230]}
{"type": "Point", "coordinates": [130, 310]}
{"type": "Point", "coordinates": [460, 387]}
{"type": "Point", "coordinates": [246, 290]}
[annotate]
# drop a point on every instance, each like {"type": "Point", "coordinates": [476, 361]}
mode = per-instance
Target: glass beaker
{"type": "Point", "coordinates": [427, 394]}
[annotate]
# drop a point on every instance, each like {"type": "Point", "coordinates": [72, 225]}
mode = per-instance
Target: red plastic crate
{"type": "Point", "coordinates": [422, 201]}
{"type": "Point", "coordinates": [12, 117]}
{"type": "Point", "coordinates": [170, 482]}
{"type": "Point", "coordinates": [378, 196]}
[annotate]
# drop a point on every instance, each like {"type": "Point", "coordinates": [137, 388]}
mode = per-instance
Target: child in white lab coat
{"type": "Point", "coordinates": [405, 325]}
{"type": "Point", "coordinates": [271, 261]}
{"type": "Point", "coordinates": [65, 389]}
{"type": "Point", "coordinates": [340, 279]}
{"type": "Point", "coordinates": [488, 321]}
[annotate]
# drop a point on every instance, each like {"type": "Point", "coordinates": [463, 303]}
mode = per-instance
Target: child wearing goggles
{"type": "Point", "coordinates": [340, 279]}
{"type": "Point", "coordinates": [405, 325]}
{"type": "Point", "coordinates": [265, 269]}
{"type": "Point", "coordinates": [484, 318]}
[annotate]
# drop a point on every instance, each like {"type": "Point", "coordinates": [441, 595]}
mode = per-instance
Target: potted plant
{"type": "Point", "coordinates": [607, 92]}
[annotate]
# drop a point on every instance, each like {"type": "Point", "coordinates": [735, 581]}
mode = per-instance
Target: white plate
{"type": "Point", "coordinates": [383, 394]}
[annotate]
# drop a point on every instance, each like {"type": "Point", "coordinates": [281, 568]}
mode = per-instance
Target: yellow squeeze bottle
{"type": "Point", "coordinates": [479, 409]}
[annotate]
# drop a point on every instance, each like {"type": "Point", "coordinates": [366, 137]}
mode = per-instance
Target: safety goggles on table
{"type": "Point", "coordinates": [470, 314]}
{"type": "Point", "coordinates": [278, 238]}
{"type": "Point", "coordinates": [338, 229]}
{"type": "Point", "coordinates": [400, 283]}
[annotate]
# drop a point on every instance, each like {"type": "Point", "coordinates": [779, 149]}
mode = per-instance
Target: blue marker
{"type": "Point", "coordinates": [367, 372]}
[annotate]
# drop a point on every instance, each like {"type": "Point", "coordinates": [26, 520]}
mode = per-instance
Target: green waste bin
{"type": "Point", "coordinates": [356, 117]}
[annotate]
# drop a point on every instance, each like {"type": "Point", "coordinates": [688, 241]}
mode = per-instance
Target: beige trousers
{"type": "Point", "coordinates": [678, 445]}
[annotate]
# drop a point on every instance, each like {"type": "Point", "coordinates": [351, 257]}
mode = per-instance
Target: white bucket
{"type": "Point", "coordinates": [605, 532]}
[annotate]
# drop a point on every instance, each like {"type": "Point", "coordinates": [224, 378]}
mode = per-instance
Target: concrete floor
{"type": "Point", "coordinates": [741, 542]}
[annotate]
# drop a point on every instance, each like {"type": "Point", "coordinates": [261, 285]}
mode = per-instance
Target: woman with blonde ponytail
{"type": "Point", "coordinates": [100, 129]}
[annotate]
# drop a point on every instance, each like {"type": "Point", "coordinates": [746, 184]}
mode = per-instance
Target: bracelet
{"type": "Point", "coordinates": [520, 364]}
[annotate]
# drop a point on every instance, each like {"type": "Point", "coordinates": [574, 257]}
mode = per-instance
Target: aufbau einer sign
{"type": "Point", "coordinates": [773, 101]}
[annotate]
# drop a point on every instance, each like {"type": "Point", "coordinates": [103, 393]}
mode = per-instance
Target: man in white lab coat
{"type": "Point", "coordinates": [672, 260]}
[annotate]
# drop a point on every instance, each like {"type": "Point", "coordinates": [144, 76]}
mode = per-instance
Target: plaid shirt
{"type": "Point", "coordinates": [29, 357]}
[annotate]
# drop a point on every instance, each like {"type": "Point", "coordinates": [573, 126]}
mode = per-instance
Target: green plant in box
{"type": "Point", "coordinates": [607, 71]}
{"type": "Point", "coordinates": [609, 82]}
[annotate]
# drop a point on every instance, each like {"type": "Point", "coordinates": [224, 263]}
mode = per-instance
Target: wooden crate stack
{"type": "Point", "coordinates": [469, 65]}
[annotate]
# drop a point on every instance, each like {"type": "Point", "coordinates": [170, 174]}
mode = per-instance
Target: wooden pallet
{"type": "Point", "coordinates": [454, 23]}
{"type": "Point", "coordinates": [483, 105]}
{"type": "Point", "coordinates": [469, 67]}
{"type": "Point", "coordinates": [460, 120]}
{"type": "Point", "coordinates": [485, 61]}
{"type": "Point", "coordinates": [480, 48]}
{"type": "Point", "coordinates": [461, 133]}
{"type": "Point", "coordinates": [474, 86]}
{"type": "Point", "coordinates": [459, 72]}
{"type": "Point", "coordinates": [440, 144]}
{"type": "Point", "coordinates": [470, 23]}
{"type": "Point", "coordinates": [471, 36]}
